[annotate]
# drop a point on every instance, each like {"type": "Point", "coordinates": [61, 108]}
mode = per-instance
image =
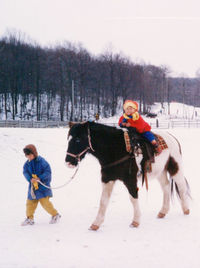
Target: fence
{"type": "Point", "coordinates": [33, 124]}
{"type": "Point", "coordinates": [165, 124]}
{"type": "Point", "coordinates": [161, 124]}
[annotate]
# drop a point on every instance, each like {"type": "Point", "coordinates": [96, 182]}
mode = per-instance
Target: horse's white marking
{"type": "Point", "coordinates": [70, 165]}
{"type": "Point", "coordinates": [136, 210]}
{"type": "Point", "coordinates": [105, 197]}
{"type": "Point", "coordinates": [165, 186]}
{"type": "Point", "coordinates": [69, 138]}
{"type": "Point", "coordinates": [138, 159]}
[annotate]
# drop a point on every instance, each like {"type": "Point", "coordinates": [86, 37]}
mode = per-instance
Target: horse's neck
{"type": "Point", "coordinates": [107, 147]}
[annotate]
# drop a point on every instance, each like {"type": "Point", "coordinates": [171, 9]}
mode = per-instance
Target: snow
{"type": "Point", "coordinates": [171, 242]}
{"type": "Point", "coordinates": [177, 111]}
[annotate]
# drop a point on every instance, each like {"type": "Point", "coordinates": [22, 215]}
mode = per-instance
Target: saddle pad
{"type": "Point", "coordinates": [161, 142]}
{"type": "Point", "coordinates": [127, 142]}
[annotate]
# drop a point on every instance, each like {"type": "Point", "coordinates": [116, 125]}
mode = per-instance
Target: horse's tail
{"type": "Point", "coordinates": [172, 168]}
{"type": "Point", "coordinates": [175, 186]}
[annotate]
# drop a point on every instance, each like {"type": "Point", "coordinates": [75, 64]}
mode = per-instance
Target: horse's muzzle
{"type": "Point", "coordinates": [70, 161]}
{"type": "Point", "coordinates": [69, 165]}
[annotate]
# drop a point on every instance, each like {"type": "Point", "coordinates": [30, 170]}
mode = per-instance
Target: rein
{"type": "Point", "coordinates": [72, 177]}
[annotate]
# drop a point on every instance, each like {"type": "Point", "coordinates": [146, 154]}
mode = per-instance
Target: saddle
{"type": "Point", "coordinates": [136, 143]}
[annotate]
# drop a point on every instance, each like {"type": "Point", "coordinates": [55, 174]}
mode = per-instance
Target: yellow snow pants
{"type": "Point", "coordinates": [31, 206]}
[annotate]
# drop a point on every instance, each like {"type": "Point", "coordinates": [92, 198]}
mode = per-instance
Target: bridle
{"type": "Point", "coordinates": [78, 156]}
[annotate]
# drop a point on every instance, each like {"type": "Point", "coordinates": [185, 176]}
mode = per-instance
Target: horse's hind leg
{"type": "Point", "coordinates": [165, 185]}
{"type": "Point", "coordinates": [175, 170]}
{"type": "Point", "coordinates": [182, 191]}
{"type": "Point", "coordinates": [105, 197]}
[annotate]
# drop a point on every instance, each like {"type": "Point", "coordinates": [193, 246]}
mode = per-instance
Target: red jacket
{"type": "Point", "coordinates": [140, 125]}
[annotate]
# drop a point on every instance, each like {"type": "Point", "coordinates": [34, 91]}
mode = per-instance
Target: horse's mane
{"type": "Point", "coordinates": [97, 128]}
{"type": "Point", "coordinates": [105, 129]}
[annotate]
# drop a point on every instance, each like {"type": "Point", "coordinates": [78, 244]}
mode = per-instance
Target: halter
{"type": "Point", "coordinates": [78, 156]}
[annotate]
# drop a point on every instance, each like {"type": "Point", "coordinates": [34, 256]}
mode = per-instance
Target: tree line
{"type": "Point", "coordinates": [67, 82]}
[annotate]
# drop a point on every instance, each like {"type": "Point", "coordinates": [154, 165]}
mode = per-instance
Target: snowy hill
{"type": "Point", "coordinates": [175, 110]}
{"type": "Point", "coordinates": [172, 242]}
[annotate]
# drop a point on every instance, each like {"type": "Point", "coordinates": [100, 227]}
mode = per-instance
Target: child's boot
{"type": "Point", "coordinates": [27, 221]}
{"type": "Point", "coordinates": [55, 219]}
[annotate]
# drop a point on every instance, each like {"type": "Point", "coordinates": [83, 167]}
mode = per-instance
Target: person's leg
{"type": "Point", "coordinates": [31, 206]}
{"type": "Point", "coordinates": [151, 138]}
{"type": "Point", "coordinates": [48, 206]}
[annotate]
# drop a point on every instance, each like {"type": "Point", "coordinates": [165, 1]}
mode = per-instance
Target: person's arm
{"type": "Point", "coordinates": [122, 121]}
{"type": "Point", "coordinates": [26, 173]}
{"type": "Point", "coordinates": [45, 176]}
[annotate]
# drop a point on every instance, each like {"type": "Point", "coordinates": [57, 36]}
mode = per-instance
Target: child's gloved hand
{"type": "Point", "coordinates": [34, 181]}
{"type": "Point", "coordinates": [124, 120]}
{"type": "Point", "coordinates": [34, 178]}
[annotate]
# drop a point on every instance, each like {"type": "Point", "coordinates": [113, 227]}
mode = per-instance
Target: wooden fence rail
{"type": "Point", "coordinates": [33, 124]}
{"type": "Point", "coordinates": [166, 124]}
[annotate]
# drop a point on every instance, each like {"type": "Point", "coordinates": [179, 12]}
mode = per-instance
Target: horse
{"type": "Point", "coordinates": [107, 144]}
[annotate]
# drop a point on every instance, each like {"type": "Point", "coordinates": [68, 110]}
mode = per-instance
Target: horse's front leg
{"type": "Point", "coordinates": [131, 185]}
{"type": "Point", "coordinates": [105, 197]}
{"type": "Point", "coordinates": [136, 212]}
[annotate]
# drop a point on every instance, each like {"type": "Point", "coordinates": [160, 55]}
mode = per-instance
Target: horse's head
{"type": "Point", "coordinates": [79, 143]}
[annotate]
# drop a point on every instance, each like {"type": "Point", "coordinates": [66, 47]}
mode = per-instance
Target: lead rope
{"type": "Point", "coordinates": [76, 156]}
{"type": "Point", "coordinates": [58, 187]}
{"type": "Point", "coordinates": [32, 192]}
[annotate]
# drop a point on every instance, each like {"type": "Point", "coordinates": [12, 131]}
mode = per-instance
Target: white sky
{"type": "Point", "coordinates": [160, 32]}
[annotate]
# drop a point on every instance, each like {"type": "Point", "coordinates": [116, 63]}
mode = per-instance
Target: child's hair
{"type": "Point", "coordinates": [130, 103]}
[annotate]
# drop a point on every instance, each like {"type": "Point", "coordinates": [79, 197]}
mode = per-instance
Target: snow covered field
{"type": "Point", "coordinates": [172, 242]}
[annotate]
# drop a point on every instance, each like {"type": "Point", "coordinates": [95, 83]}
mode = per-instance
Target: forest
{"type": "Point", "coordinates": [66, 82]}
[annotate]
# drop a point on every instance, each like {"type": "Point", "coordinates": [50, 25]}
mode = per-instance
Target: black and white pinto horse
{"type": "Point", "coordinates": [107, 144]}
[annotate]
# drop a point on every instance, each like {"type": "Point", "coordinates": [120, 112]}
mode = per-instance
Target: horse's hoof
{"type": "Point", "coordinates": [161, 215]}
{"type": "Point", "coordinates": [187, 212]}
{"type": "Point", "coordinates": [94, 227]}
{"type": "Point", "coordinates": [134, 224]}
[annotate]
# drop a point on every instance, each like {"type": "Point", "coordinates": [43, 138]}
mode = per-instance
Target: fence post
{"type": "Point", "coordinates": [157, 123]}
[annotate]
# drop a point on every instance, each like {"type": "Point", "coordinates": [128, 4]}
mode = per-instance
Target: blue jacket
{"type": "Point", "coordinates": [42, 169]}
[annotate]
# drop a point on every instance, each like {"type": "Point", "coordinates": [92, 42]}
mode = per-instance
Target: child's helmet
{"type": "Point", "coordinates": [131, 103]}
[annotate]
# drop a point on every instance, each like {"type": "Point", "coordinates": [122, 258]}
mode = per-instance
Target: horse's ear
{"type": "Point", "coordinates": [71, 124]}
{"type": "Point", "coordinates": [84, 122]}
